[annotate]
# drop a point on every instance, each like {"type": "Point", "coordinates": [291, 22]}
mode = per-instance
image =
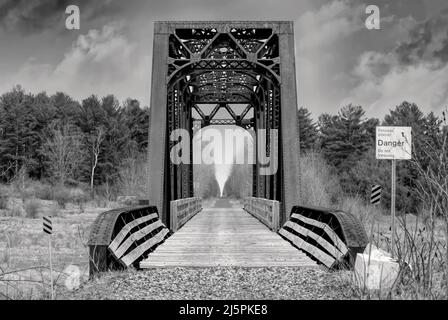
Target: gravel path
{"type": "Point", "coordinates": [225, 283]}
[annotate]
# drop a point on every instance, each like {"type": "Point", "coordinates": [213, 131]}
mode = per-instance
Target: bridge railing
{"type": "Point", "coordinates": [265, 210]}
{"type": "Point", "coordinates": [183, 210]}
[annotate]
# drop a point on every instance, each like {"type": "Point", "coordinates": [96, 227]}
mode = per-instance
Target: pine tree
{"type": "Point", "coordinates": [408, 114]}
{"type": "Point", "coordinates": [344, 139]}
{"type": "Point", "coordinates": [18, 129]}
{"type": "Point", "coordinates": [137, 120]}
{"type": "Point", "coordinates": [307, 130]}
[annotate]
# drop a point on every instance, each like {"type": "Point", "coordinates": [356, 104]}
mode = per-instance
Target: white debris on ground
{"type": "Point", "coordinates": [375, 269]}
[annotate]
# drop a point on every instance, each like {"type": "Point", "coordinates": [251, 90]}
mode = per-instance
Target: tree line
{"type": "Point", "coordinates": [346, 140]}
{"type": "Point", "coordinates": [59, 139]}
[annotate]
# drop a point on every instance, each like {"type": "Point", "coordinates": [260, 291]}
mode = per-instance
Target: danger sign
{"type": "Point", "coordinates": [393, 143]}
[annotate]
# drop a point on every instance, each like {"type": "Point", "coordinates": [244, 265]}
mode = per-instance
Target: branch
{"type": "Point", "coordinates": [4, 171]}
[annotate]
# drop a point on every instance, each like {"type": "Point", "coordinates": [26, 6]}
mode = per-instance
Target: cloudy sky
{"type": "Point", "coordinates": [338, 60]}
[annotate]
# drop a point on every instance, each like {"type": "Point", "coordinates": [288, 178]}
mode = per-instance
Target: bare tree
{"type": "Point", "coordinates": [134, 175]}
{"type": "Point", "coordinates": [63, 148]}
{"type": "Point", "coordinates": [4, 169]}
{"type": "Point", "coordinates": [430, 255]}
{"type": "Point", "coordinates": [95, 141]}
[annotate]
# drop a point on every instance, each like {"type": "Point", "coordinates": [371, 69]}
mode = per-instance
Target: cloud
{"type": "Point", "coordinates": [415, 70]}
{"type": "Point", "coordinates": [28, 17]}
{"type": "Point", "coordinates": [428, 42]}
{"type": "Point", "coordinates": [331, 22]}
{"type": "Point", "coordinates": [321, 38]}
{"type": "Point", "coordinates": [100, 62]}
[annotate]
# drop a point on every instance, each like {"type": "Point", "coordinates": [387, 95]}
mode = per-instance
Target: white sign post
{"type": "Point", "coordinates": [393, 143]}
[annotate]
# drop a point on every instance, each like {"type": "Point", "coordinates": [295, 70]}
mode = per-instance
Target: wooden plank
{"type": "Point", "coordinates": [226, 237]}
{"type": "Point", "coordinates": [135, 237]}
{"type": "Point", "coordinates": [333, 236]}
{"type": "Point", "coordinates": [137, 252]}
{"type": "Point", "coordinates": [128, 227]}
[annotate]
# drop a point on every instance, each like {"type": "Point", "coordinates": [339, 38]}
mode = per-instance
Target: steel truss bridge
{"type": "Point", "coordinates": [200, 70]}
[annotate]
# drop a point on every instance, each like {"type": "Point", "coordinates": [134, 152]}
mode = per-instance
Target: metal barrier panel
{"type": "Point", "coordinates": [121, 237]}
{"type": "Point", "coordinates": [183, 210]}
{"type": "Point", "coordinates": [331, 237]}
{"type": "Point", "coordinates": [265, 210]}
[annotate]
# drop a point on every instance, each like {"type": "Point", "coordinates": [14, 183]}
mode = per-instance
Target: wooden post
{"type": "Point", "coordinates": [173, 216]}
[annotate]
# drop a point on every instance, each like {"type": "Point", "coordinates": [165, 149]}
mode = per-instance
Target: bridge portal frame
{"type": "Point", "coordinates": [158, 140]}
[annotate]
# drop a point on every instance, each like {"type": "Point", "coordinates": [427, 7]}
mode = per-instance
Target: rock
{"type": "Point", "coordinates": [377, 272]}
{"type": "Point", "coordinates": [73, 277]}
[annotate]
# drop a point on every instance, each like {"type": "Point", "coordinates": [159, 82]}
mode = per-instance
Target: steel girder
{"type": "Point", "coordinates": [223, 63]}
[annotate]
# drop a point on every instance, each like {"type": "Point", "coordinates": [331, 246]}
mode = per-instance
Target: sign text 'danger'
{"type": "Point", "coordinates": [393, 143]}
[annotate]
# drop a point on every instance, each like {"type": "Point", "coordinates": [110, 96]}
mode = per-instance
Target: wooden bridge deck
{"type": "Point", "coordinates": [226, 237]}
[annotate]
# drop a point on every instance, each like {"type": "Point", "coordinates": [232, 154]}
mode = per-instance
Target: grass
{"type": "Point", "coordinates": [3, 202]}
{"type": "Point", "coordinates": [421, 246]}
{"type": "Point", "coordinates": [24, 261]}
{"type": "Point", "coordinates": [421, 241]}
{"type": "Point", "coordinates": [32, 208]}
{"type": "Point", "coordinates": [24, 264]}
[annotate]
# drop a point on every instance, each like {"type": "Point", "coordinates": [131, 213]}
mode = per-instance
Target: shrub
{"type": "Point", "coordinates": [54, 211]}
{"type": "Point", "coordinates": [62, 196]}
{"type": "Point", "coordinates": [44, 191]}
{"type": "Point", "coordinates": [27, 193]}
{"type": "Point", "coordinates": [32, 208]}
{"type": "Point", "coordinates": [3, 202]}
{"type": "Point", "coordinates": [134, 176]}
{"type": "Point", "coordinates": [365, 212]}
{"type": "Point", "coordinates": [79, 197]}
{"type": "Point", "coordinates": [107, 191]}
{"type": "Point", "coordinates": [319, 186]}
{"type": "Point", "coordinates": [17, 211]}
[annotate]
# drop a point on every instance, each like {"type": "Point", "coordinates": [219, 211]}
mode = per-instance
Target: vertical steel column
{"type": "Point", "coordinates": [171, 124]}
{"type": "Point", "coordinates": [157, 134]}
{"type": "Point", "coordinates": [277, 180]}
{"type": "Point", "coordinates": [288, 118]}
{"type": "Point", "coordinates": [191, 166]}
{"type": "Point", "coordinates": [268, 127]}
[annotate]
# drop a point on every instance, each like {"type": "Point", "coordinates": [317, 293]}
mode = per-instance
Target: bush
{"type": "Point", "coordinates": [107, 192]}
{"type": "Point", "coordinates": [27, 193]}
{"type": "Point", "coordinates": [62, 196]}
{"type": "Point", "coordinates": [55, 211]}
{"type": "Point", "coordinates": [79, 197]}
{"type": "Point", "coordinates": [134, 176]}
{"type": "Point", "coordinates": [364, 211]}
{"type": "Point", "coordinates": [319, 186]}
{"type": "Point", "coordinates": [32, 208]}
{"type": "Point", "coordinates": [3, 202]}
{"type": "Point", "coordinates": [44, 191]}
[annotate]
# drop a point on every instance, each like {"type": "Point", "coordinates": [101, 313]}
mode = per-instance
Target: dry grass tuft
{"type": "Point", "coordinates": [32, 208]}
{"type": "Point", "coordinates": [319, 186]}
